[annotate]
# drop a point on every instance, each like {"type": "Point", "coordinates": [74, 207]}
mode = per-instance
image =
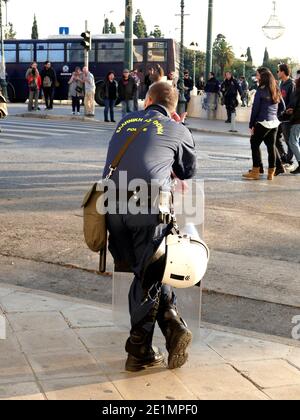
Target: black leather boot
{"type": "Point", "coordinates": [141, 354]}
{"type": "Point", "coordinates": [178, 337]}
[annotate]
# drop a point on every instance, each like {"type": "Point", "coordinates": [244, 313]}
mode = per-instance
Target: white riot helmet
{"type": "Point", "coordinates": [180, 261]}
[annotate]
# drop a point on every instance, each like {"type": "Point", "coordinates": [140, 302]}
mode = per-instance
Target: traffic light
{"type": "Point", "coordinates": [87, 40]}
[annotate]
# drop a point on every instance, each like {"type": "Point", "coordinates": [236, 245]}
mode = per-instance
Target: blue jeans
{"type": "Point", "coordinates": [294, 140]}
{"type": "Point", "coordinates": [127, 107]}
{"type": "Point", "coordinates": [109, 106]}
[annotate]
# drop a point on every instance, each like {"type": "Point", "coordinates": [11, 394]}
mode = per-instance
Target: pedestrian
{"type": "Point", "coordinates": [230, 89]}
{"type": "Point", "coordinates": [159, 75]}
{"type": "Point", "coordinates": [149, 79]}
{"type": "Point", "coordinates": [264, 123]}
{"type": "Point", "coordinates": [126, 91]}
{"type": "Point", "coordinates": [110, 93]}
{"type": "Point", "coordinates": [171, 78]}
{"type": "Point", "coordinates": [245, 91]}
{"type": "Point", "coordinates": [188, 87]}
{"type": "Point", "coordinates": [135, 75]}
{"type": "Point", "coordinates": [89, 92]}
{"type": "Point", "coordinates": [294, 139]}
{"type": "Point", "coordinates": [133, 238]}
{"type": "Point", "coordinates": [212, 91]}
{"type": "Point", "coordinates": [34, 82]}
{"type": "Point", "coordinates": [49, 81]}
{"type": "Point", "coordinates": [76, 90]}
{"type": "Point", "coordinates": [287, 87]}
{"type": "Point", "coordinates": [201, 84]}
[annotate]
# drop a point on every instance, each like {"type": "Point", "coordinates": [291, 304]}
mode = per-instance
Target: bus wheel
{"type": "Point", "coordinates": [11, 93]}
{"type": "Point", "coordinates": [98, 95]}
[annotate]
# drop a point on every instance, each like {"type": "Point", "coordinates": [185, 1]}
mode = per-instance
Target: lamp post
{"type": "Point", "coordinates": [182, 100]}
{"type": "Point", "coordinates": [3, 66]}
{"type": "Point", "coordinates": [244, 59]}
{"type": "Point", "coordinates": [209, 45]}
{"type": "Point", "coordinates": [194, 47]}
{"type": "Point", "coordinates": [128, 56]}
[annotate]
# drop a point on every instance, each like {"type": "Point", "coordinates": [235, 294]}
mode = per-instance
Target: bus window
{"type": "Point", "coordinates": [110, 52]}
{"type": "Point", "coordinates": [157, 51]}
{"type": "Point", "coordinates": [53, 52]}
{"type": "Point", "coordinates": [10, 53]}
{"type": "Point", "coordinates": [26, 53]}
{"type": "Point", "coordinates": [75, 53]}
{"type": "Point", "coordinates": [138, 53]}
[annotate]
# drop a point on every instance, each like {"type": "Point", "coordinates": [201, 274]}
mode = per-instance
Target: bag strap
{"type": "Point", "coordinates": [116, 162]}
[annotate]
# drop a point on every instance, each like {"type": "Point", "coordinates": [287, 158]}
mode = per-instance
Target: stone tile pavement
{"type": "Point", "coordinates": [61, 348]}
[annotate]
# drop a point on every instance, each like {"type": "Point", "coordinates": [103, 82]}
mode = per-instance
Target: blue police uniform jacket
{"type": "Point", "coordinates": [162, 148]}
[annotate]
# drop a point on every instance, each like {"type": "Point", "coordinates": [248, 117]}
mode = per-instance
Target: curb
{"type": "Point", "coordinates": [217, 132]}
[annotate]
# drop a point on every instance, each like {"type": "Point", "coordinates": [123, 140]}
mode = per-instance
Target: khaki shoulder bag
{"type": "Point", "coordinates": [94, 223]}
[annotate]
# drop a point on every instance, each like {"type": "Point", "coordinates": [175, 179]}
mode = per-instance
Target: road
{"type": "Point", "coordinates": [251, 228]}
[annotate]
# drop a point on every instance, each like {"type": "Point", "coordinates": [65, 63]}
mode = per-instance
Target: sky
{"type": "Point", "coordinates": [239, 20]}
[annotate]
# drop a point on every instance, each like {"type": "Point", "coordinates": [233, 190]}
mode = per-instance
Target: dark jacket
{"type": "Point", "coordinates": [127, 89]}
{"type": "Point", "coordinates": [164, 147]}
{"type": "Point", "coordinates": [287, 89]}
{"type": "Point", "coordinates": [264, 108]}
{"type": "Point", "coordinates": [295, 105]}
{"type": "Point", "coordinates": [110, 90]}
{"type": "Point", "coordinates": [51, 74]}
{"type": "Point", "coordinates": [212, 86]}
{"type": "Point", "coordinates": [231, 88]}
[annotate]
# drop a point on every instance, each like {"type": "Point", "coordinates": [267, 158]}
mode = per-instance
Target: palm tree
{"type": "Point", "coordinates": [223, 53]}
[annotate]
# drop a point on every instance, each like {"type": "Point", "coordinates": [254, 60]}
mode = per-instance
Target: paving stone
{"type": "Point", "coordinates": [33, 342]}
{"type": "Point", "coordinates": [23, 391]}
{"type": "Point", "coordinates": [87, 316]}
{"type": "Point", "coordinates": [153, 384]}
{"type": "Point", "coordinates": [64, 364]}
{"type": "Point", "coordinates": [77, 389]}
{"type": "Point", "coordinates": [14, 368]}
{"type": "Point", "coordinates": [37, 321]}
{"type": "Point", "coordinates": [5, 291]}
{"type": "Point", "coordinates": [270, 373]}
{"type": "Point", "coordinates": [103, 337]}
{"type": "Point", "coordinates": [294, 357]}
{"type": "Point", "coordinates": [9, 346]}
{"type": "Point", "coordinates": [28, 302]}
{"type": "Point", "coordinates": [219, 382]}
{"type": "Point", "coordinates": [237, 348]}
{"type": "Point", "coordinates": [201, 354]}
{"type": "Point", "coordinates": [285, 393]}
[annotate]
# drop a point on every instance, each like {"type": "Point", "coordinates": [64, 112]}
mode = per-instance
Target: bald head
{"type": "Point", "coordinates": [162, 93]}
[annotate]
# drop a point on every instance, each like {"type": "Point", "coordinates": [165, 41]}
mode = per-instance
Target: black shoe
{"type": "Point", "coordinates": [113, 121]}
{"type": "Point", "coordinates": [296, 172]}
{"type": "Point", "coordinates": [178, 338]}
{"type": "Point", "coordinates": [228, 122]}
{"type": "Point", "coordinates": [106, 121]}
{"type": "Point", "coordinates": [153, 358]}
{"type": "Point", "coordinates": [280, 171]}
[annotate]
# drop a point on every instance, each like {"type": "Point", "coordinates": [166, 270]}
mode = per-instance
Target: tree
{"type": "Point", "coordinates": [249, 55]}
{"type": "Point", "coordinates": [157, 33]}
{"type": "Point", "coordinates": [112, 28]}
{"type": "Point", "coordinates": [189, 62]}
{"type": "Point", "coordinates": [139, 26]}
{"type": "Point", "coordinates": [10, 33]}
{"type": "Point", "coordinates": [35, 31]}
{"type": "Point", "coordinates": [106, 28]}
{"type": "Point", "coordinates": [266, 60]}
{"type": "Point", "coordinates": [223, 53]}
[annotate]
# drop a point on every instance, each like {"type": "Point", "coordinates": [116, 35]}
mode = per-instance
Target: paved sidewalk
{"type": "Point", "coordinates": [63, 112]}
{"type": "Point", "coordinates": [62, 348]}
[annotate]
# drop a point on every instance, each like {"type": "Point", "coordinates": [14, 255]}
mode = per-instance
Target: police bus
{"type": "Point", "coordinates": [65, 53]}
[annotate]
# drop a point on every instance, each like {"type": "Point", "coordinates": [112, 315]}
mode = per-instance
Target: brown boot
{"type": "Point", "coordinates": [253, 175]}
{"type": "Point", "coordinates": [271, 174]}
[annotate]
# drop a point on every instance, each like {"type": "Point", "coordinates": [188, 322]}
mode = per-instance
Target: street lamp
{"type": "Point", "coordinates": [194, 47]}
{"type": "Point", "coordinates": [209, 46]}
{"type": "Point", "coordinates": [274, 28]}
{"type": "Point", "coordinates": [128, 55]}
{"type": "Point", "coordinates": [182, 99]}
{"type": "Point", "coordinates": [244, 58]}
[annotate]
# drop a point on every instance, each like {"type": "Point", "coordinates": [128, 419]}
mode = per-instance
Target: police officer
{"type": "Point", "coordinates": [162, 149]}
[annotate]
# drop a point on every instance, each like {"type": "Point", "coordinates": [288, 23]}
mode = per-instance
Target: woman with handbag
{"type": "Point", "coordinates": [264, 123]}
{"type": "Point", "coordinates": [34, 84]}
{"type": "Point", "coordinates": [76, 90]}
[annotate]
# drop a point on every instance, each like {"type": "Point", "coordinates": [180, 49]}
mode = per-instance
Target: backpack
{"type": "Point", "coordinates": [47, 83]}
